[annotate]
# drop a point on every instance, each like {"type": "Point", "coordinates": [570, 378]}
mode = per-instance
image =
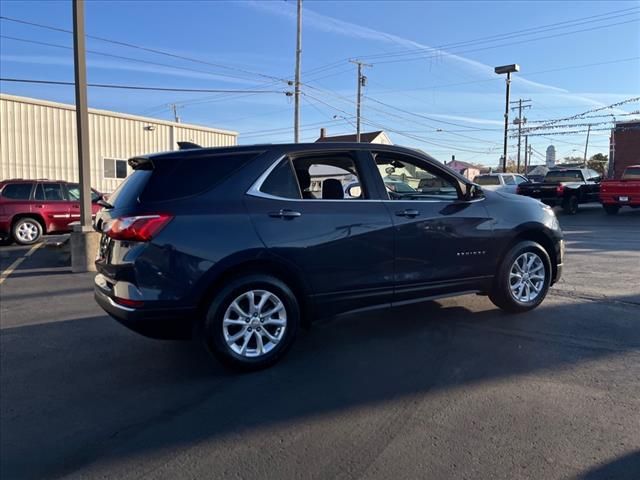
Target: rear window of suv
{"type": "Point", "coordinates": [17, 191]}
{"type": "Point", "coordinates": [179, 177]}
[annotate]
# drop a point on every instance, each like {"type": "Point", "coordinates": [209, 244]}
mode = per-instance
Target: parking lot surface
{"type": "Point", "coordinates": [447, 389]}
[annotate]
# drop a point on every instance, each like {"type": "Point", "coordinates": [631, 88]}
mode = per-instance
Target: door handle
{"type": "Point", "coordinates": [285, 213]}
{"type": "Point", "coordinates": [408, 213]}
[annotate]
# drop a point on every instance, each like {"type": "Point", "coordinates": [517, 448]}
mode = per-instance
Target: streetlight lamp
{"type": "Point", "coordinates": [508, 69]}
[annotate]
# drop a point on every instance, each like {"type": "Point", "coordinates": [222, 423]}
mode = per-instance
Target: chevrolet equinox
{"type": "Point", "coordinates": [241, 246]}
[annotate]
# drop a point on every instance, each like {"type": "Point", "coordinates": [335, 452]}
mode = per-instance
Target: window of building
{"type": "Point", "coordinates": [114, 168]}
{"type": "Point", "coordinates": [17, 191]}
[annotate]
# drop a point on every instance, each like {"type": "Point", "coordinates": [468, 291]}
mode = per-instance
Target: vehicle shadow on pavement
{"type": "Point", "coordinates": [626, 467]}
{"type": "Point", "coordinates": [109, 396]}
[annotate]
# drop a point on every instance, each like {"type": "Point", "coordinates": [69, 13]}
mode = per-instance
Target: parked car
{"type": "Point", "coordinates": [567, 188]}
{"type": "Point", "coordinates": [353, 189]}
{"type": "Point", "coordinates": [220, 244]}
{"type": "Point", "coordinates": [615, 194]}
{"type": "Point", "coordinates": [32, 208]}
{"type": "Point", "coordinates": [504, 182]}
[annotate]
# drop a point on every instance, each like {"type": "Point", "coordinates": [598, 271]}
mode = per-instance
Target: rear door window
{"type": "Point", "coordinates": [53, 192]}
{"type": "Point", "coordinates": [282, 182]}
{"type": "Point", "coordinates": [508, 180]}
{"type": "Point", "coordinates": [17, 191]}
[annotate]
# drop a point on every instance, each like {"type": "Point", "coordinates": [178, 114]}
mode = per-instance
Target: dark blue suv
{"type": "Point", "coordinates": [240, 246]}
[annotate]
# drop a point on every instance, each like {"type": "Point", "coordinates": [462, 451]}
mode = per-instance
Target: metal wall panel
{"type": "Point", "coordinates": [38, 139]}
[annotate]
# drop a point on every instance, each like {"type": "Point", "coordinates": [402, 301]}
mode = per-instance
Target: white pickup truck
{"type": "Point", "coordinates": [503, 182]}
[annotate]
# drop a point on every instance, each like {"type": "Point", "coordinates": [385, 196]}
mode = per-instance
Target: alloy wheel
{"type": "Point", "coordinates": [254, 323]}
{"type": "Point", "coordinates": [27, 232]}
{"type": "Point", "coordinates": [527, 277]}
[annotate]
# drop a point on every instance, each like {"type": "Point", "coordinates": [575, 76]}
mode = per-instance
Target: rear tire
{"type": "Point", "coordinates": [523, 278]}
{"type": "Point", "coordinates": [570, 205]}
{"type": "Point", "coordinates": [611, 209]}
{"type": "Point", "coordinates": [27, 231]}
{"type": "Point", "coordinates": [252, 322]}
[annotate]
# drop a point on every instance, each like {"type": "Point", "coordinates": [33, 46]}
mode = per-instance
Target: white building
{"type": "Point", "coordinates": [38, 140]}
{"type": "Point", "coordinates": [551, 156]}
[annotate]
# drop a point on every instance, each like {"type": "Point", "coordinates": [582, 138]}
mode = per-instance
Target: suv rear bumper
{"type": "Point", "coordinates": [164, 323]}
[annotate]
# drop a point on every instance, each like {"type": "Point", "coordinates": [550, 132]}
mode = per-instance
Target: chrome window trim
{"type": "Point", "coordinates": [255, 191]}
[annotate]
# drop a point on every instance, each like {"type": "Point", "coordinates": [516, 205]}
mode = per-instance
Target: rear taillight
{"type": "Point", "coordinates": [126, 302]}
{"type": "Point", "coordinates": [560, 189]}
{"type": "Point", "coordinates": [137, 229]}
{"type": "Point", "coordinates": [518, 190]}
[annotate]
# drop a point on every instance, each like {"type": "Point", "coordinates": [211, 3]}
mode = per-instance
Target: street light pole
{"type": "Point", "coordinates": [506, 124]}
{"type": "Point", "coordinates": [508, 69]}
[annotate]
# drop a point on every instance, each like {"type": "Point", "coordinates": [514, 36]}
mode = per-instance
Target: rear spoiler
{"type": "Point", "coordinates": [187, 145]}
{"type": "Point", "coordinates": [141, 163]}
{"type": "Point", "coordinates": [144, 163]}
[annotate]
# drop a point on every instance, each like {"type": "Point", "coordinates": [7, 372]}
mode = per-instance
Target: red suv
{"type": "Point", "coordinates": [31, 208]}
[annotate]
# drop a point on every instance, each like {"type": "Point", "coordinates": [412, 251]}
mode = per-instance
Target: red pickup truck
{"type": "Point", "coordinates": [615, 194]}
{"type": "Point", "coordinates": [31, 208]}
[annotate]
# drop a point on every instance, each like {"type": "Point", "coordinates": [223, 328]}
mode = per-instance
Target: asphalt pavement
{"type": "Point", "coordinates": [447, 389]}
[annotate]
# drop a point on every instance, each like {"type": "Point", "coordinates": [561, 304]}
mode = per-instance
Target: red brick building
{"type": "Point", "coordinates": [624, 147]}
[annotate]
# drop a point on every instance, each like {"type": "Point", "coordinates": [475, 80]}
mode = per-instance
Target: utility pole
{"type": "Point", "coordinates": [296, 95]}
{"type": "Point", "coordinates": [522, 104]}
{"type": "Point", "coordinates": [362, 81]}
{"type": "Point", "coordinates": [174, 109]}
{"type": "Point", "coordinates": [526, 151]}
{"type": "Point", "coordinates": [586, 145]}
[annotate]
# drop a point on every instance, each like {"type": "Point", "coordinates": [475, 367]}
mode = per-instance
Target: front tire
{"type": "Point", "coordinates": [611, 209]}
{"type": "Point", "coordinates": [27, 231]}
{"type": "Point", "coordinates": [523, 278]}
{"type": "Point", "coordinates": [252, 322]}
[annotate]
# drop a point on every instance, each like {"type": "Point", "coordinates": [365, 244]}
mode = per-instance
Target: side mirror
{"type": "Point", "coordinates": [474, 191]}
{"type": "Point", "coordinates": [354, 191]}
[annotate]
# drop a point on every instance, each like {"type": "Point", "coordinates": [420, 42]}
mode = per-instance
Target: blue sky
{"type": "Point", "coordinates": [432, 85]}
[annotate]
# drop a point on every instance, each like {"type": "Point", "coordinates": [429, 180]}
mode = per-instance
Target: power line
{"type": "Point", "coordinates": [123, 57]}
{"type": "Point", "coordinates": [593, 110]}
{"type": "Point", "coordinates": [404, 134]}
{"type": "Point", "coordinates": [509, 44]}
{"type": "Point", "coordinates": [146, 49]}
{"type": "Point", "coordinates": [538, 72]}
{"type": "Point", "coordinates": [475, 41]}
{"type": "Point", "coordinates": [528, 31]}
{"type": "Point", "coordinates": [136, 87]}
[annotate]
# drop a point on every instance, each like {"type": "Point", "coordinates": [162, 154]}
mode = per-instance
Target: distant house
{"type": "Point", "coordinates": [366, 137]}
{"type": "Point", "coordinates": [468, 170]}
